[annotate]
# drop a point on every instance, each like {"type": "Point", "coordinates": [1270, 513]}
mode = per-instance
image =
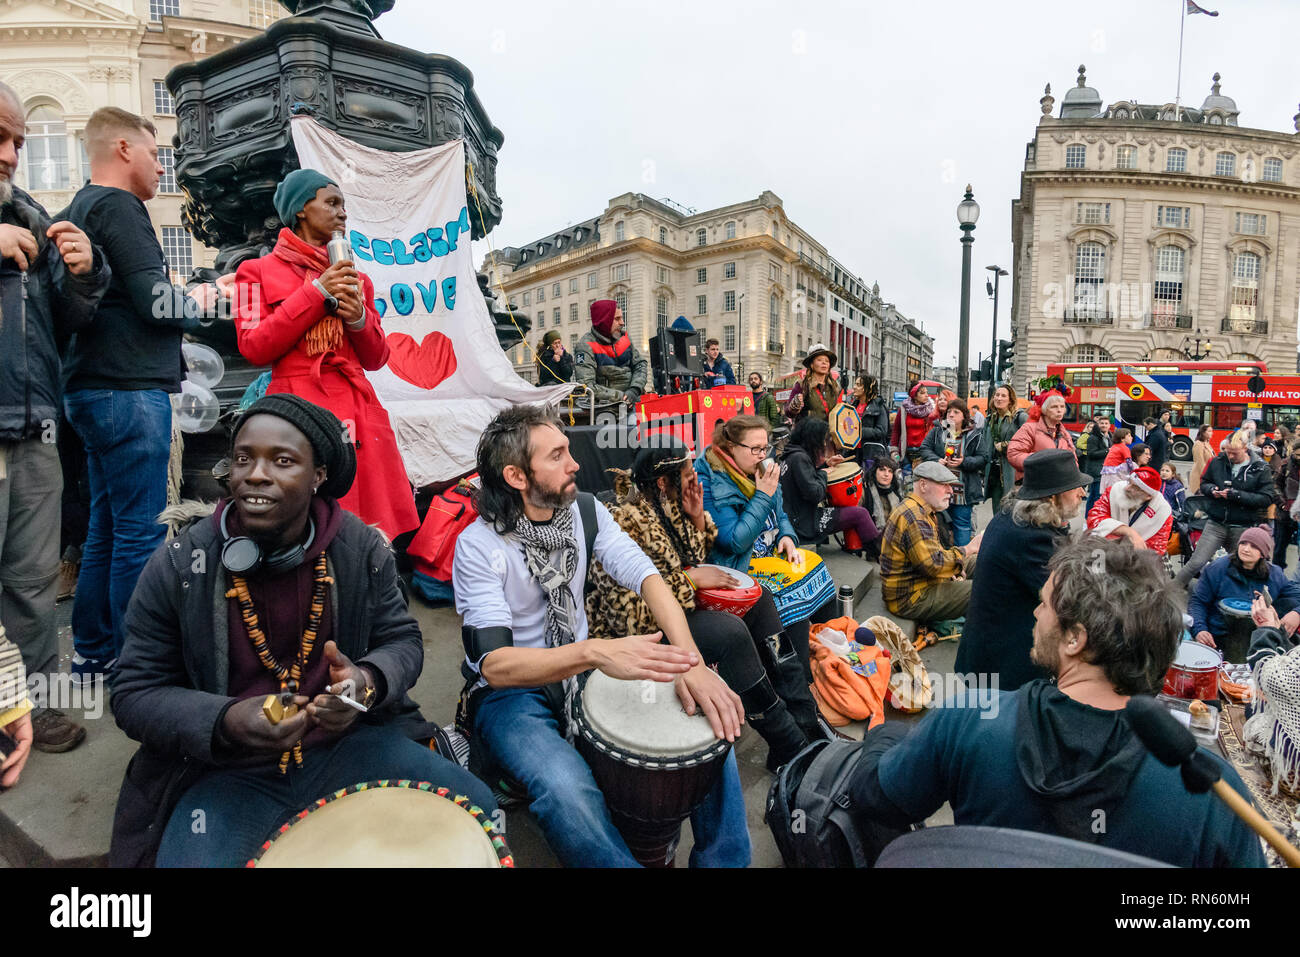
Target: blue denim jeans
{"type": "Point", "coordinates": [241, 807]}
{"type": "Point", "coordinates": [127, 436]}
{"type": "Point", "coordinates": [522, 736]}
{"type": "Point", "coordinates": [1094, 493]}
{"type": "Point", "coordinates": [961, 527]}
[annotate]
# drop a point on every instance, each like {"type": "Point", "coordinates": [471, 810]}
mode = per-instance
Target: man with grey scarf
{"type": "Point", "coordinates": [51, 279]}
{"type": "Point", "coordinates": [519, 576]}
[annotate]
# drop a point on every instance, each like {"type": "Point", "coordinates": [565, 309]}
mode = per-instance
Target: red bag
{"type": "Point", "coordinates": [434, 546]}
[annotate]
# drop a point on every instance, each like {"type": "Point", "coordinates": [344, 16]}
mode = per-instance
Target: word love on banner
{"type": "Point", "coordinates": [433, 243]}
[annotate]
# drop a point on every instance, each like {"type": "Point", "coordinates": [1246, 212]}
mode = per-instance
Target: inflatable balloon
{"type": "Point", "coordinates": [197, 409]}
{"type": "Point", "coordinates": [204, 364]}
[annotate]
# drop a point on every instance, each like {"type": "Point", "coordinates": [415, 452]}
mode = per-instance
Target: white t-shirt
{"type": "Point", "coordinates": [494, 588]}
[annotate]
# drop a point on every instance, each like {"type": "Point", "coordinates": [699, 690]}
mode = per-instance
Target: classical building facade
{"type": "Point", "coordinates": [67, 58]}
{"type": "Point", "coordinates": [744, 274]}
{"type": "Point", "coordinates": [1154, 232]}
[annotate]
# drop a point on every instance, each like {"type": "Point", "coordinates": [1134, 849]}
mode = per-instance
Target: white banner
{"type": "Point", "coordinates": [409, 225]}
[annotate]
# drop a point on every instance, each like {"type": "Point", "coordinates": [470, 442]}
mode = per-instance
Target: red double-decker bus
{"type": "Point", "coordinates": [1217, 394]}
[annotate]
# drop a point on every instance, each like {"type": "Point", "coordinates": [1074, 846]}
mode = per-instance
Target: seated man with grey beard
{"type": "Point", "coordinates": [1059, 756]}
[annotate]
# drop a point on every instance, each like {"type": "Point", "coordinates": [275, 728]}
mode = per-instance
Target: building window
{"type": "Point", "coordinates": [573, 286]}
{"type": "Point", "coordinates": [728, 270]}
{"type": "Point", "coordinates": [1245, 287]}
{"type": "Point", "coordinates": [555, 315]}
{"type": "Point", "coordinates": [167, 160]}
{"type": "Point", "coordinates": [1272, 170]}
{"type": "Point", "coordinates": [163, 8]}
{"type": "Point", "coordinates": [528, 299]}
{"type": "Point", "coordinates": [573, 341]}
{"type": "Point", "coordinates": [619, 232]}
{"type": "Point", "coordinates": [1089, 274]}
{"type": "Point", "coordinates": [178, 250]}
{"type": "Point", "coordinates": [556, 291]}
{"type": "Point", "coordinates": [591, 280]}
{"type": "Point", "coordinates": [618, 273]}
{"type": "Point", "coordinates": [661, 274]}
{"type": "Point", "coordinates": [1092, 214]}
{"type": "Point", "coordinates": [1225, 164]}
{"type": "Point", "coordinates": [590, 304]}
{"type": "Point", "coordinates": [729, 338]}
{"type": "Point", "coordinates": [1167, 300]}
{"type": "Point", "coordinates": [46, 153]}
{"type": "Point", "coordinates": [263, 13]}
{"type": "Point", "coordinates": [1085, 352]}
{"type": "Point", "coordinates": [541, 319]}
{"type": "Point", "coordinates": [774, 272]}
{"type": "Point", "coordinates": [799, 339]}
{"type": "Point", "coordinates": [731, 230]}
{"type": "Point", "coordinates": [773, 322]}
{"type": "Point", "coordinates": [663, 235]}
{"type": "Point", "coordinates": [573, 312]}
{"type": "Point", "coordinates": [1177, 217]}
{"type": "Point", "coordinates": [728, 302]}
{"type": "Point", "coordinates": [701, 237]}
{"type": "Point", "coordinates": [661, 311]}
{"type": "Point", "coordinates": [620, 300]}
{"type": "Point", "coordinates": [1126, 157]}
{"type": "Point", "coordinates": [702, 275]}
{"type": "Point", "coordinates": [1253, 224]}
{"type": "Point", "coordinates": [162, 99]}
{"type": "Point", "coordinates": [701, 305]}
{"type": "Point", "coordinates": [1176, 160]}
{"type": "Point", "coordinates": [1075, 155]}
{"type": "Point", "coordinates": [541, 293]}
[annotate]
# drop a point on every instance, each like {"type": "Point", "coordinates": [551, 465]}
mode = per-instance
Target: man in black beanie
{"type": "Point", "coordinates": [244, 635]}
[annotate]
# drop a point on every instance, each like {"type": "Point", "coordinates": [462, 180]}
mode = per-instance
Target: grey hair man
{"type": "Point", "coordinates": [51, 280]}
{"type": "Point", "coordinates": [999, 629]}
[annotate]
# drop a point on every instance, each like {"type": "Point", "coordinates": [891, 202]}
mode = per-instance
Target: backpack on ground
{"type": "Point", "coordinates": [433, 548]}
{"type": "Point", "coordinates": [808, 810]}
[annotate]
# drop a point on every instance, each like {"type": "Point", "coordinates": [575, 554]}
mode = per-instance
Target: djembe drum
{"type": "Point", "coordinates": [735, 601]}
{"type": "Point", "coordinates": [387, 824]}
{"type": "Point", "coordinates": [1240, 625]}
{"type": "Point", "coordinates": [844, 489]}
{"type": "Point", "coordinates": [654, 763]}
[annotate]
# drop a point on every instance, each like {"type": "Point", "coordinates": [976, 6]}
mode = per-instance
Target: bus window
{"type": "Point", "coordinates": [1133, 411]}
{"type": "Point", "coordinates": [1228, 417]}
{"type": "Point", "coordinates": [1105, 376]}
{"type": "Point", "coordinates": [1071, 412]}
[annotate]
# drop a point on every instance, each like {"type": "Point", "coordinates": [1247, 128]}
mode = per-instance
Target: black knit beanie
{"type": "Point", "coordinates": [323, 430]}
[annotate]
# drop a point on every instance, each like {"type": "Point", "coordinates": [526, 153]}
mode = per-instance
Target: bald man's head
{"type": "Point", "coordinates": [12, 131]}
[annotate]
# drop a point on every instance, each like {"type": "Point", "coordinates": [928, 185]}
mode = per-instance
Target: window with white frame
{"type": "Point", "coordinates": [1272, 170]}
{"type": "Point", "coordinates": [661, 274]}
{"type": "Point", "coordinates": [1075, 156]}
{"type": "Point", "coordinates": [774, 272]}
{"type": "Point", "coordinates": [541, 293]}
{"type": "Point", "coordinates": [555, 316]}
{"type": "Point", "coordinates": [541, 319]}
{"type": "Point", "coordinates": [728, 302]}
{"type": "Point", "coordinates": [1252, 224]}
{"type": "Point", "coordinates": [1085, 352]}
{"type": "Point", "coordinates": [1092, 214]}
{"type": "Point", "coordinates": [528, 299]}
{"type": "Point", "coordinates": [1126, 157]}
{"type": "Point", "coordinates": [45, 156]}
{"type": "Point", "coordinates": [701, 237]}
{"type": "Point", "coordinates": [178, 250]}
{"type": "Point", "coordinates": [592, 280]}
{"type": "Point", "coordinates": [167, 160]}
{"type": "Point", "coordinates": [573, 286]}
{"type": "Point", "coordinates": [701, 305]}
{"type": "Point", "coordinates": [1225, 164]}
{"type": "Point", "coordinates": [663, 235]}
{"type": "Point", "coordinates": [619, 232]}
{"type": "Point", "coordinates": [729, 338]}
{"type": "Point", "coordinates": [773, 320]}
{"type": "Point", "coordinates": [1176, 160]}
{"type": "Point", "coordinates": [590, 303]}
{"type": "Point", "coordinates": [163, 8]}
{"type": "Point", "coordinates": [661, 311]}
{"type": "Point", "coordinates": [573, 312]}
{"type": "Point", "coordinates": [162, 99]}
{"type": "Point", "coordinates": [556, 291]}
{"type": "Point", "coordinates": [1089, 274]}
{"type": "Point", "coordinates": [799, 347]}
{"type": "Point", "coordinates": [731, 230]}
{"type": "Point", "coordinates": [620, 299]}
{"type": "Point", "coordinates": [836, 304]}
{"type": "Point", "coordinates": [1176, 217]}
{"type": "Point", "coordinates": [1167, 297]}
{"type": "Point", "coordinates": [1245, 287]}
{"type": "Point", "coordinates": [702, 275]}
{"type": "Point", "coordinates": [263, 13]}
{"type": "Point", "coordinates": [728, 270]}
{"type": "Point", "coordinates": [618, 273]}
{"type": "Point", "coordinates": [573, 341]}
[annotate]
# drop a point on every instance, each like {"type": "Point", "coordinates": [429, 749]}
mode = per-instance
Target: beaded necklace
{"type": "Point", "coordinates": [288, 676]}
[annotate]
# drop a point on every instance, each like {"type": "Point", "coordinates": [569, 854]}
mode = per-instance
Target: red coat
{"type": "Point", "coordinates": [1033, 437]}
{"type": "Point", "coordinates": [275, 307]}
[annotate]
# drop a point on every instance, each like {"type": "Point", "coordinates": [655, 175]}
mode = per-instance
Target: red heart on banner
{"type": "Point", "coordinates": [424, 364]}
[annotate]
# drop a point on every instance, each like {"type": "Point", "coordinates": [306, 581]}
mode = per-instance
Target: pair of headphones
{"type": "Point", "coordinates": [242, 556]}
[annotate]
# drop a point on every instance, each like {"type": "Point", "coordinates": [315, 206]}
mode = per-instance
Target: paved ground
{"type": "Point", "coordinates": [62, 811]}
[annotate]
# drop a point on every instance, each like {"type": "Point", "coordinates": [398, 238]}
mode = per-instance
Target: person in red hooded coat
{"type": "Point", "coordinates": [284, 319]}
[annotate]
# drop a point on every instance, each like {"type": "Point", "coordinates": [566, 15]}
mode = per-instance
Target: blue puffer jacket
{"type": "Point", "coordinates": [739, 519]}
{"type": "Point", "coordinates": [1221, 579]}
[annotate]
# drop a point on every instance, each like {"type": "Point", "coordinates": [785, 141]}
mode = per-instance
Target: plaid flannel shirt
{"type": "Point", "coordinates": [912, 559]}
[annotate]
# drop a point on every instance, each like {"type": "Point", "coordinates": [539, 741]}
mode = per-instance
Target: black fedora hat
{"type": "Point", "coordinates": [1051, 472]}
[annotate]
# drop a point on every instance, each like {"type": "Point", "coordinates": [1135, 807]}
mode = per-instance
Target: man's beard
{"type": "Point", "coordinates": [6, 189]}
{"type": "Point", "coordinates": [1046, 653]}
{"type": "Point", "coordinates": [1123, 500]}
{"type": "Point", "coordinates": [542, 497]}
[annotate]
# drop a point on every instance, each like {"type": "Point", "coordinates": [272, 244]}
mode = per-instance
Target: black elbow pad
{"type": "Point", "coordinates": [479, 641]}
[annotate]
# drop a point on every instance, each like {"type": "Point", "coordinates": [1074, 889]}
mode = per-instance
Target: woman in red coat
{"type": "Point", "coordinates": [316, 326]}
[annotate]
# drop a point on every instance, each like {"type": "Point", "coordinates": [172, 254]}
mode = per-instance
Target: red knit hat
{"type": "Point", "coordinates": [602, 316]}
{"type": "Point", "coordinates": [1149, 478]}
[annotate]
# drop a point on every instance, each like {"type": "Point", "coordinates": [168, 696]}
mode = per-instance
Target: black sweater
{"type": "Point", "coordinates": [135, 340]}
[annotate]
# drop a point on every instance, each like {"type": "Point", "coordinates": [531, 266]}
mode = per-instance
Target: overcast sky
{"type": "Point", "coordinates": [867, 119]}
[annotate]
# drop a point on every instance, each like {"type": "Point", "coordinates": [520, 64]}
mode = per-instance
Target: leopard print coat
{"type": "Point", "coordinates": [612, 610]}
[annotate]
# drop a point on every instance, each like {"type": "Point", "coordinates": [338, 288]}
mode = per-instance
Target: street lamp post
{"type": "Point", "coordinates": [968, 213]}
{"type": "Point", "coordinates": [998, 273]}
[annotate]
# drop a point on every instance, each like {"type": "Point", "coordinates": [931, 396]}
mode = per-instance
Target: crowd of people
{"type": "Point", "coordinates": [242, 651]}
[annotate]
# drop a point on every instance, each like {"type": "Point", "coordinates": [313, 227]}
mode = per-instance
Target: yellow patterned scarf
{"type": "Point", "coordinates": [718, 459]}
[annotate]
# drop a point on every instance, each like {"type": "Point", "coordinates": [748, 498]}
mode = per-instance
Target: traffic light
{"type": "Point", "coordinates": [986, 371]}
{"type": "Point", "coordinates": [1006, 357]}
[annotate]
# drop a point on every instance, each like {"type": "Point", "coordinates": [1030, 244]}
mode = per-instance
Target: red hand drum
{"type": "Point", "coordinates": [1194, 673]}
{"type": "Point", "coordinates": [736, 600]}
{"type": "Point", "coordinates": [844, 488]}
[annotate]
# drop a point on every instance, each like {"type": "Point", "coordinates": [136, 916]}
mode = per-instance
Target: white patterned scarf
{"type": "Point", "coordinates": [540, 541]}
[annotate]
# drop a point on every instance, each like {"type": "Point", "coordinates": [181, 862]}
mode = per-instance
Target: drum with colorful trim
{"type": "Point", "coordinates": [737, 601]}
{"type": "Point", "coordinates": [387, 824]}
{"type": "Point", "coordinates": [1194, 673]}
{"type": "Point", "coordinates": [654, 763]}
